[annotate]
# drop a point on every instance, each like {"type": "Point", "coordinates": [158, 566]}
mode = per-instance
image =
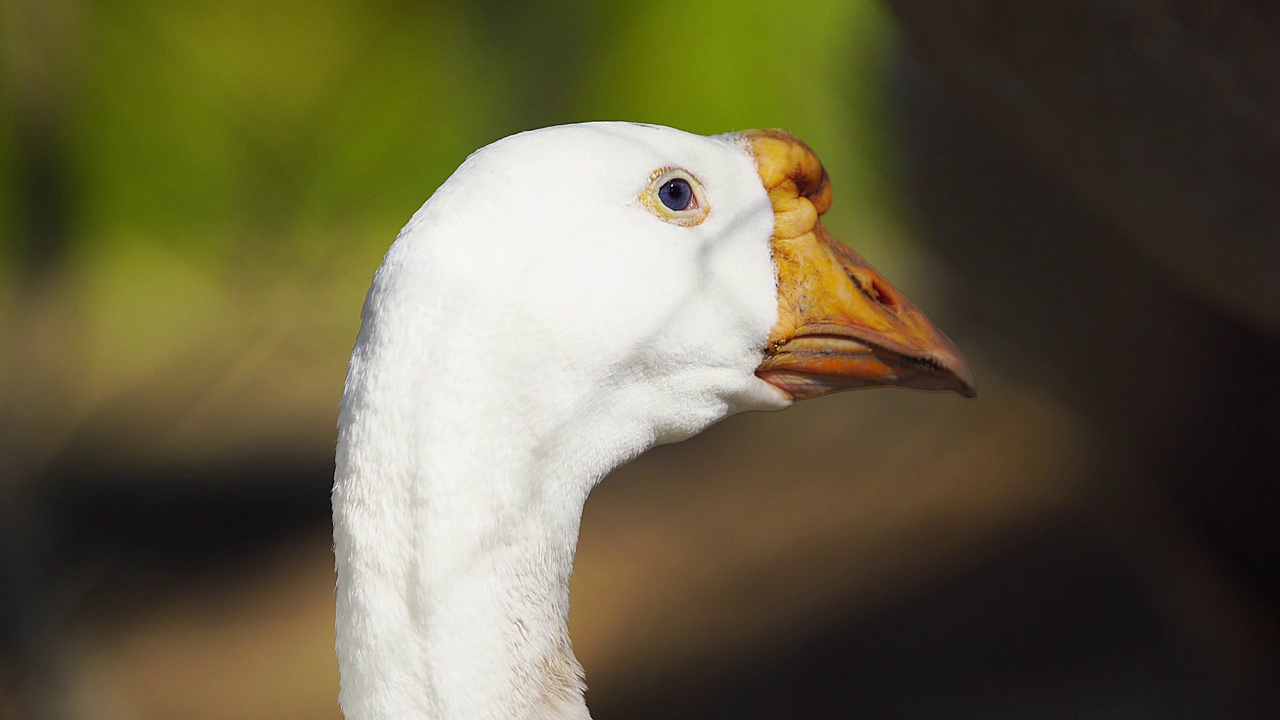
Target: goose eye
{"type": "Point", "coordinates": [676, 194]}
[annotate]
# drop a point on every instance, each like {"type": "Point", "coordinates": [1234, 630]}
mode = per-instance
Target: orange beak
{"type": "Point", "coordinates": [841, 325]}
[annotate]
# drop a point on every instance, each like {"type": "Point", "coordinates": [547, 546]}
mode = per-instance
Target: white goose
{"type": "Point", "coordinates": [569, 298]}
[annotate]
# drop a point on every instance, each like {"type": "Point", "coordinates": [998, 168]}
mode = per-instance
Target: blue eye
{"type": "Point", "coordinates": [676, 194]}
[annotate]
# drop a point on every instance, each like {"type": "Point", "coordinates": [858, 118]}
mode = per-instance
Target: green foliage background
{"type": "Point", "coordinates": [231, 172]}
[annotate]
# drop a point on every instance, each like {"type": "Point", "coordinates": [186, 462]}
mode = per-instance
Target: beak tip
{"type": "Point", "coordinates": [966, 385]}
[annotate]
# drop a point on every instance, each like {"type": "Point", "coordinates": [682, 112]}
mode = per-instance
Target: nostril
{"type": "Point", "coordinates": [883, 294]}
{"type": "Point", "coordinates": [876, 290]}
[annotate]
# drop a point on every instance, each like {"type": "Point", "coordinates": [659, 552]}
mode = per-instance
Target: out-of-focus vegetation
{"type": "Point", "coordinates": [226, 175]}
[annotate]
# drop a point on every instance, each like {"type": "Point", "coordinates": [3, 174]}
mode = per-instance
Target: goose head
{"type": "Point", "coordinates": [567, 299]}
{"type": "Point", "coordinates": [641, 276]}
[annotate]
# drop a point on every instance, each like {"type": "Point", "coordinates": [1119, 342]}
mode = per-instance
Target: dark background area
{"type": "Point", "coordinates": [1085, 195]}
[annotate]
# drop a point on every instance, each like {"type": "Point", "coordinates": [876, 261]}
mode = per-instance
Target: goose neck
{"type": "Point", "coordinates": [454, 554]}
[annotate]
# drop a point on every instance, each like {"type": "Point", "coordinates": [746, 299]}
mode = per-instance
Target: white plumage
{"type": "Point", "coordinates": [542, 319]}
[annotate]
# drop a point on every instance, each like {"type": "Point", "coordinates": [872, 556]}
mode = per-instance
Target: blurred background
{"type": "Point", "coordinates": [1085, 195]}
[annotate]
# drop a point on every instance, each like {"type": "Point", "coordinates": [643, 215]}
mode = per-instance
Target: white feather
{"type": "Point", "coordinates": [533, 327]}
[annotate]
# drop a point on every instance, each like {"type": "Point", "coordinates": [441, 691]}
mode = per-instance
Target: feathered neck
{"type": "Point", "coordinates": [454, 548]}
{"type": "Point", "coordinates": [457, 501]}
{"type": "Point", "coordinates": [452, 583]}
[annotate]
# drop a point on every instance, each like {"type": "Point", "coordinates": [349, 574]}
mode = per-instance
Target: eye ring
{"type": "Point", "coordinates": [676, 196]}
